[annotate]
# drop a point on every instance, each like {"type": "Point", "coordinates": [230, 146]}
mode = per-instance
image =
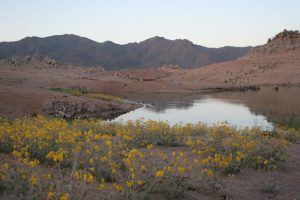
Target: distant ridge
{"type": "Point", "coordinates": [153, 52]}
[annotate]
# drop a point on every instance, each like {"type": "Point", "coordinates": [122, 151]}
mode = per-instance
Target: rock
{"type": "Point", "coordinates": [95, 69]}
{"type": "Point", "coordinates": [59, 114]}
{"type": "Point", "coordinates": [252, 87]}
{"type": "Point", "coordinates": [68, 116]}
{"type": "Point", "coordinates": [14, 60]}
{"type": "Point", "coordinates": [64, 109]}
{"type": "Point", "coordinates": [71, 110]}
{"type": "Point", "coordinates": [49, 61]}
{"type": "Point", "coordinates": [170, 67]}
{"type": "Point", "coordinates": [36, 57]}
{"type": "Point", "coordinates": [27, 58]}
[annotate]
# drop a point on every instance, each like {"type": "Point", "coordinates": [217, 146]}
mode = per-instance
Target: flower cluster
{"type": "Point", "coordinates": [56, 159]}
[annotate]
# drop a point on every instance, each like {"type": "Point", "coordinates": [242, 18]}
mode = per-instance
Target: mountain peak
{"type": "Point", "coordinates": [156, 39]}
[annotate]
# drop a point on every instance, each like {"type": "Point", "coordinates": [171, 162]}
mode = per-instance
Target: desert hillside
{"type": "Point", "coordinates": [275, 63]}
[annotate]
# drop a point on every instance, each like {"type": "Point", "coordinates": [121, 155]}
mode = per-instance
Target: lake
{"type": "Point", "coordinates": [242, 109]}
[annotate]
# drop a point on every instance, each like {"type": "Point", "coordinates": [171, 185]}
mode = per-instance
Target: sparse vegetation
{"type": "Point", "coordinates": [82, 91]}
{"type": "Point", "coordinates": [76, 91]}
{"type": "Point", "coordinates": [54, 159]}
{"type": "Point", "coordinates": [103, 96]}
{"type": "Point", "coordinates": [290, 121]}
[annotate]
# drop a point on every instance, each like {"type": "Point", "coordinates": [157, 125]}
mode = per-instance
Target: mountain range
{"type": "Point", "coordinates": [153, 52]}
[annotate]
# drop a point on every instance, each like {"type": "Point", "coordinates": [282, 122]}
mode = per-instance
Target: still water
{"type": "Point", "coordinates": [241, 109]}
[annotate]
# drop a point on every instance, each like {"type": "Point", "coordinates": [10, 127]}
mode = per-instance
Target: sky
{"type": "Point", "coordinates": [213, 23]}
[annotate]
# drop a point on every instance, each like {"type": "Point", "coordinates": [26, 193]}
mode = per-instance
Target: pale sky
{"type": "Point", "coordinates": [211, 23]}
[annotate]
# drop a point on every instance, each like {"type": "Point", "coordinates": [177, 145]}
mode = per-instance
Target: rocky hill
{"type": "Point", "coordinates": [275, 63]}
{"type": "Point", "coordinates": [154, 52]}
{"type": "Point", "coordinates": [283, 42]}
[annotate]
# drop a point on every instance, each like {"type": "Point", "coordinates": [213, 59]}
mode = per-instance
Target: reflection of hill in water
{"type": "Point", "coordinates": [282, 106]}
{"type": "Point", "coordinates": [266, 101]}
{"type": "Point", "coordinates": [161, 102]}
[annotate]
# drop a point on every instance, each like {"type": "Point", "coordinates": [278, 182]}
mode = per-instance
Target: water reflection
{"type": "Point", "coordinates": [241, 109]}
{"type": "Point", "coordinates": [207, 110]}
{"type": "Point", "coordinates": [283, 102]}
{"type": "Point", "coordinates": [280, 107]}
{"type": "Point", "coordinates": [161, 102]}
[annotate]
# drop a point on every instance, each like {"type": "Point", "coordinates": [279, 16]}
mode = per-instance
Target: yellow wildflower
{"type": "Point", "coordinates": [181, 169]}
{"type": "Point", "coordinates": [140, 182]}
{"type": "Point", "coordinates": [118, 187]}
{"type": "Point", "coordinates": [129, 183]}
{"type": "Point", "coordinates": [5, 166]}
{"type": "Point", "coordinates": [34, 163]}
{"type": "Point", "coordinates": [33, 180]}
{"type": "Point", "coordinates": [47, 176]}
{"type": "Point", "coordinates": [209, 172]}
{"type": "Point", "coordinates": [101, 186]}
{"type": "Point", "coordinates": [55, 156]}
{"type": "Point", "coordinates": [65, 196]}
{"type": "Point", "coordinates": [88, 178]}
{"type": "Point", "coordinates": [103, 158]}
{"type": "Point", "coordinates": [149, 146]}
{"type": "Point", "coordinates": [143, 168]}
{"type": "Point", "coordinates": [50, 195]}
{"type": "Point", "coordinates": [159, 173]}
{"type": "Point", "coordinates": [109, 144]}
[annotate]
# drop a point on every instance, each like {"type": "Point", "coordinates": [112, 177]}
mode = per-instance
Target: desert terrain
{"type": "Point", "coordinates": [26, 82]}
{"type": "Point", "coordinates": [52, 147]}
